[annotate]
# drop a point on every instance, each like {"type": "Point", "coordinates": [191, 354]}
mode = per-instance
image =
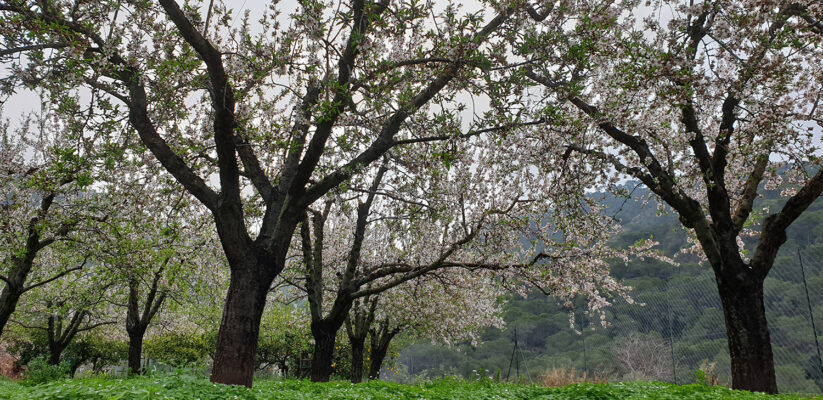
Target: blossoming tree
{"type": "Point", "coordinates": [152, 245]}
{"type": "Point", "coordinates": [44, 173]}
{"type": "Point", "coordinates": [257, 120]}
{"type": "Point", "coordinates": [445, 306]}
{"type": "Point", "coordinates": [703, 102]}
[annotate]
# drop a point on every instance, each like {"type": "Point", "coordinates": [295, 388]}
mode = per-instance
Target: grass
{"type": "Point", "coordinates": [181, 386]}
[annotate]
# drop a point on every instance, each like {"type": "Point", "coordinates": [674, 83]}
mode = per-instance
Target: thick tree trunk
{"type": "Point", "coordinates": [54, 354]}
{"type": "Point", "coordinates": [357, 348]}
{"type": "Point", "coordinates": [324, 339]}
{"type": "Point", "coordinates": [240, 326]}
{"type": "Point", "coordinates": [136, 351]}
{"type": "Point", "coordinates": [748, 334]}
{"type": "Point", "coordinates": [9, 298]}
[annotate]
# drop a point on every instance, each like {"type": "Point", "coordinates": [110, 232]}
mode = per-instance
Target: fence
{"type": "Point", "coordinates": [678, 330]}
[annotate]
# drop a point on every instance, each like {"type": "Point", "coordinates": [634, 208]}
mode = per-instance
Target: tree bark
{"type": "Point", "coordinates": [357, 349]}
{"type": "Point", "coordinates": [748, 335]}
{"type": "Point", "coordinates": [380, 341]}
{"type": "Point", "coordinates": [136, 322]}
{"type": "Point", "coordinates": [20, 268]}
{"type": "Point", "coordinates": [9, 298]}
{"type": "Point", "coordinates": [234, 361]}
{"type": "Point", "coordinates": [136, 351]}
{"type": "Point", "coordinates": [54, 354]}
{"type": "Point", "coordinates": [324, 334]}
{"type": "Point", "coordinates": [378, 355]}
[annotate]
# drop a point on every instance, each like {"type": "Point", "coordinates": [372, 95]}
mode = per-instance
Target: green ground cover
{"type": "Point", "coordinates": [171, 386]}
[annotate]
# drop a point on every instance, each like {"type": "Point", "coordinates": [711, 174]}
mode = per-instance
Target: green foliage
{"type": "Point", "coordinates": [181, 386]}
{"type": "Point", "coordinates": [92, 349]}
{"type": "Point", "coordinates": [96, 350]}
{"type": "Point", "coordinates": [179, 349]}
{"type": "Point", "coordinates": [39, 371]}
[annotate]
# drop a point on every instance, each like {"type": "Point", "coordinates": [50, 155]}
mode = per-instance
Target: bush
{"type": "Point", "coordinates": [179, 350]}
{"type": "Point", "coordinates": [39, 371]}
{"type": "Point", "coordinates": [96, 351]}
{"type": "Point", "coordinates": [560, 377]}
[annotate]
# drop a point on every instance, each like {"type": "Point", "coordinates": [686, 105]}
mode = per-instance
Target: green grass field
{"type": "Point", "coordinates": [172, 386]}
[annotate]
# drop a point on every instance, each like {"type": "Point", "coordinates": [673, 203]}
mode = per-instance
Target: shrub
{"type": "Point", "coordinates": [178, 350]}
{"type": "Point", "coordinates": [643, 357]}
{"type": "Point", "coordinates": [39, 371]}
{"type": "Point", "coordinates": [559, 377]}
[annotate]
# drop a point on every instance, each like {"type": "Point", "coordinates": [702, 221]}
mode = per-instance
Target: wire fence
{"type": "Point", "coordinates": [679, 329]}
{"type": "Point", "coordinates": [675, 332]}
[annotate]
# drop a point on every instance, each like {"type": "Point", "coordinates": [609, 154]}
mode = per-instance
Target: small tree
{"type": "Point", "coordinates": [152, 246]}
{"type": "Point", "coordinates": [445, 306]}
{"type": "Point", "coordinates": [640, 356]}
{"type": "Point", "coordinates": [74, 304]}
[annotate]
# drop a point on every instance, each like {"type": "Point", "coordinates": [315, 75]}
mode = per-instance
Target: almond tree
{"type": "Point", "coordinates": [444, 306]}
{"type": "Point", "coordinates": [703, 102]}
{"type": "Point", "coordinates": [152, 244]}
{"type": "Point", "coordinates": [255, 120]}
{"type": "Point", "coordinates": [458, 206]}
{"type": "Point", "coordinates": [44, 173]}
{"type": "Point", "coordinates": [73, 304]}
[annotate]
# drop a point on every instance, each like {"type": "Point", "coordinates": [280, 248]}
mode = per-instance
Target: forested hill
{"type": "Point", "coordinates": [675, 326]}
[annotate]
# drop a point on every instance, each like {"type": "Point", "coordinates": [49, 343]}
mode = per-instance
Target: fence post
{"type": "Point", "coordinates": [811, 311]}
{"type": "Point", "coordinates": [583, 336]}
{"type": "Point", "coordinates": [671, 329]}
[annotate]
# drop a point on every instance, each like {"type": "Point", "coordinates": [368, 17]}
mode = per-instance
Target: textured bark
{"type": "Point", "coordinates": [324, 340]}
{"type": "Point", "coordinates": [358, 323]}
{"type": "Point", "coordinates": [54, 354]}
{"type": "Point", "coordinates": [240, 327]}
{"type": "Point", "coordinates": [380, 340]}
{"type": "Point", "coordinates": [9, 298]}
{"type": "Point", "coordinates": [358, 346]}
{"type": "Point", "coordinates": [136, 352]}
{"type": "Point", "coordinates": [749, 342]}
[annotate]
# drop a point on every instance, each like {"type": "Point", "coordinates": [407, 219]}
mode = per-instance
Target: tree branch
{"type": "Point", "coordinates": [385, 139]}
{"type": "Point", "coordinates": [773, 234]}
{"type": "Point", "coordinates": [222, 96]}
{"type": "Point", "coordinates": [53, 278]}
{"type": "Point", "coordinates": [470, 133]}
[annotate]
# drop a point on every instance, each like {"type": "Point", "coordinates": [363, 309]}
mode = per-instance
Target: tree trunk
{"type": "Point", "coordinates": [240, 326]}
{"type": "Point", "coordinates": [358, 345]}
{"type": "Point", "coordinates": [12, 291]}
{"type": "Point", "coordinates": [8, 302]}
{"type": "Point", "coordinates": [54, 354]}
{"type": "Point", "coordinates": [748, 334]}
{"type": "Point", "coordinates": [380, 341]}
{"type": "Point", "coordinates": [324, 338]}
{"type": "Point", "coordinates": [378, 355]}
{"type": "Point", "coordinates": [136, 351]}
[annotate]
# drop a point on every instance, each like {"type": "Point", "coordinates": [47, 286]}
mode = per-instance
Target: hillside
{"type": "Point", "coordinates": [675, 326]}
